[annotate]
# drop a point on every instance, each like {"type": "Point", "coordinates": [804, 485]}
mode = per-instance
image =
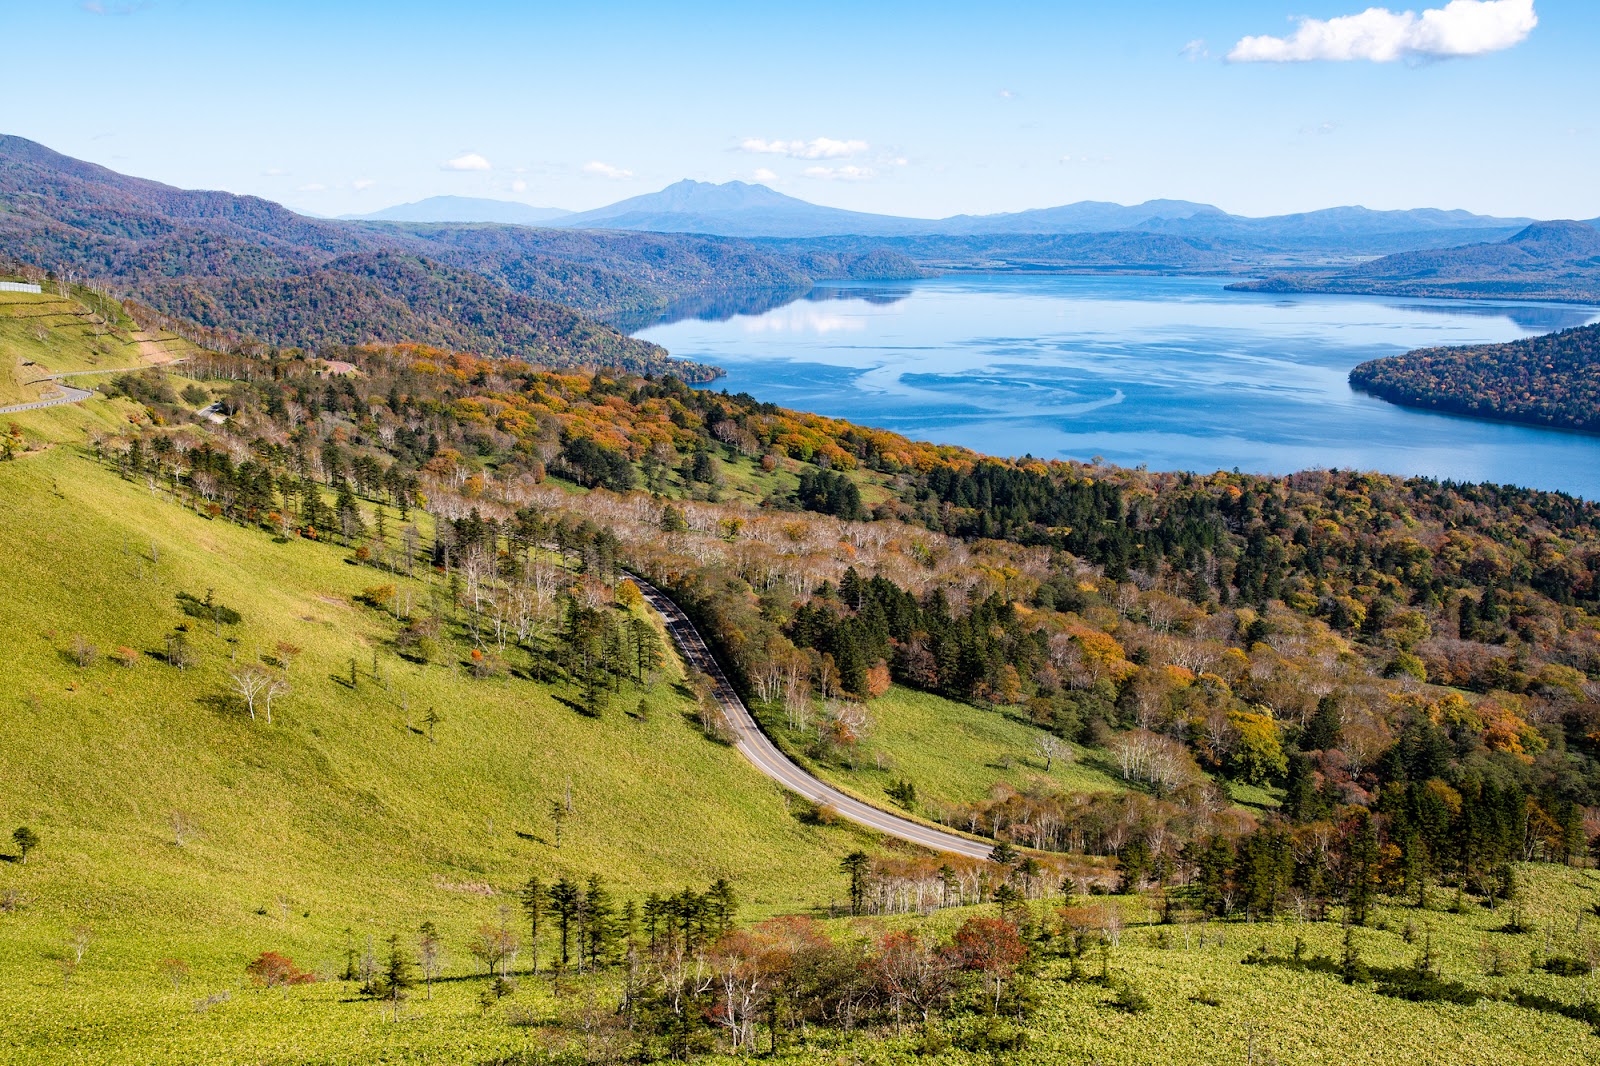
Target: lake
{"type": "Point", "coordinates": [1172, 373]}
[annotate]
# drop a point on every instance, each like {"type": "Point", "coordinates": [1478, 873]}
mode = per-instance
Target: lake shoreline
{"type": "Point", "coordinates": [1167, 371]}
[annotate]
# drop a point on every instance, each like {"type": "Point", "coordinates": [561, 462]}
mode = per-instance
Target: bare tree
{"type": "Point", "coordinates": [278, 685]}
{"type": "Point", "coordinates": [1050, 748]}
{"type": "Point", "coordinates": [84, 653]}
{"type": "Point", "coordinates": [250, 683]}
{"type": "Point", "coordinates": [182, 827]}
{"type": "Point", "coordinates": [430, 954]}
{"type": "Point", "coordinates": [82, 936]}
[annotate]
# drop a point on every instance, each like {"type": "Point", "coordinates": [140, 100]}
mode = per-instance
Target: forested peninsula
{"type": "Point", "coordinates": [1553, 380]}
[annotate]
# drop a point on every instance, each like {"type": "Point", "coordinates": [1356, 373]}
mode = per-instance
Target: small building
{"type": "Point", "coordinates": [19, 286]}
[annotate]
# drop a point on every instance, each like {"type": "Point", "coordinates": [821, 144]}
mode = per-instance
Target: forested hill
{"type": "Point", "coordinates": [249, 266]}
{"type": "Point", "coordinates": [1552, 380]}
{"type": "Point", "coordinates": [1544, 261]}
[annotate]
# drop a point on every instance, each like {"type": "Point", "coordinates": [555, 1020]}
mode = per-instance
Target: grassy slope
{"type": "Point", "coordinates": [336, 808]}
{"type": "Point", "coordinates": [1300, 1017]}
{"type": "Point", "coordinates": [70, 342]}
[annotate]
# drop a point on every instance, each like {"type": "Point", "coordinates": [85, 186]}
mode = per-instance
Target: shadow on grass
{"type": "Point", "coordinates": [221, 703]}
{"type": "Point", "coordinates": [573, 705]}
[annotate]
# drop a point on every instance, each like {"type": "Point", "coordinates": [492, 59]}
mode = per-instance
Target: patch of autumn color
{"type": "Point", "coordinates": [275, 970]}
{"type": "Point", "coordinates": [1505, 730]}
{"type": "Point", "coordinates": [1103, 651]}
{"type": "Point", "coordinates": [878, 679]}
{"type": "Point", "coordinates": [1449, 797]}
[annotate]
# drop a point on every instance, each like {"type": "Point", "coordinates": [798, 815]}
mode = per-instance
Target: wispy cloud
{"type": "Point", "coordinates": [606, 170]}
{"type": "Point", "coordinates": [1195, 50]}
{"type": "Point", "coordinates": [95, 7]}
{"type": "Point", "coordinates": [1008, 94]}
{"type": "Point", "coordinates": [844, 173]}
{"type": "Point", "coordinates": [362, 184]}
{"type": "Point", "coordinates": [766, 175]}
{"type": "Point", "coordinates": [1320, 129]}
{"type": "Point", "coordinates": [274, 172]}
{"type": "Point", "coordinates": [315, 186]}
{"type": "Point", "coordinates": [817, 148]}
{"type": "Point", "coordinates": [518, 185]}
{"type": "Point", "coordinates": [1460, 28]}
{"type": "Point", "coordinates": [470, 161]}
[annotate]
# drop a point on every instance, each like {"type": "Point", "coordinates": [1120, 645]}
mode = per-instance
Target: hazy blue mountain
{"type": "Point", "coordinates": [1347, 229]}
{"type": "Point", "coordinates": [1086, 216]}
{"type": "Point", "coordinates": [737, 209]}
{"type": "Point", "coordinates": [1544, 261]}
{"type": "Point", "coordinates": [463, 209]}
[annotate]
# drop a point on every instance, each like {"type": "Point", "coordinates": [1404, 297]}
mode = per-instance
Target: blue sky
{"type": "Point", "coordinates": [909, 108]}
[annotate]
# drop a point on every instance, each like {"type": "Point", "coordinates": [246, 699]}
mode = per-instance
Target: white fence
{"type": "Point", "coordinates": [18, 286]}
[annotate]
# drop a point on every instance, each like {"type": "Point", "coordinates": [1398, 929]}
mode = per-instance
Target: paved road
{"type": "Point", "coordinates": [69, 393]}
{"type": "Point", "coordinates": [754, 745]}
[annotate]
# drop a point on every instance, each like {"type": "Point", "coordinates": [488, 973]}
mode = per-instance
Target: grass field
{"type": "Point", "coordinates": [952, 752]}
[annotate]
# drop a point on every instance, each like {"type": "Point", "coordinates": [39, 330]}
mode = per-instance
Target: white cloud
{"type": "Point", "coordinates": [844, 173]}
{"type": "Point", "coordinates": [470, 161]}
{"type": "Point", "coordinates": [1460, 28]}
{"type": "Point", "coordinates": [1195, 50]}
{"type": "Point", "coordinates": [362, 184]}
{"type": "Point", "coordinates": [519, 186]}
{"type": "Point", "coordinates": [763, 174]}
{"type": "Point", "coordinates": [315, 186]}
{"type": "Point", "coordinates": [1007, 94]}
{"type": "Point", "coordinates": [274, 172]}
{"type": "Point", "coordinates": [606, 170]}
{"type": "Point", "coordinates": [818, 148]}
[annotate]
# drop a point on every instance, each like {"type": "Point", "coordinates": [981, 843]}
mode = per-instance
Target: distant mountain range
{"type": "Point", "coordinates": [463, 209]}
{"type": "Point", "coordinates": [548, 292]}
{"type": "Point", "coordinates": [1542, 261]}
{"type": "Point", "coordinates": [250, 266]}
{"type": "Point", "coordinates": [740, 209]}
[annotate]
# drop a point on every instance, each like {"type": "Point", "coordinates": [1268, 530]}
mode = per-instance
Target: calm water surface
{"type": "Point", "coordinates": [1174, 373]}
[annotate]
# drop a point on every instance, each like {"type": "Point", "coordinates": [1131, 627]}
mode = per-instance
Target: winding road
{"type": "Point", "coordinates": [755, 746]}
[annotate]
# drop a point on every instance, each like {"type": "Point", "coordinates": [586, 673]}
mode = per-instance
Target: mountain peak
{"type": "Point", "coordinates": [462, 209]}
{"type": "Point", "coordinates": [1561, 237]}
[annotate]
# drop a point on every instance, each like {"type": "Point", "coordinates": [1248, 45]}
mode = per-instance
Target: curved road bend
{"type": "Point", "coordinates": [70, 393]}
{"type": "Point", "coordinates": [754, 745]}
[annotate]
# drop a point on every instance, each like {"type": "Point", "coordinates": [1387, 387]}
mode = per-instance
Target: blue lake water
{"type": "Point", "coordinates": [1173, 373]}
